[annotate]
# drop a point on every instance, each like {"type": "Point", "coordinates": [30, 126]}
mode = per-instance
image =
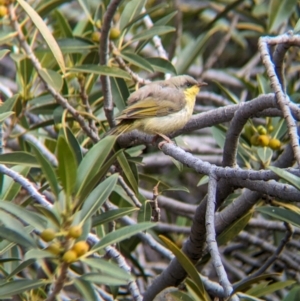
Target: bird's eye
{"type": "Point", "coordinates": [189, 85]}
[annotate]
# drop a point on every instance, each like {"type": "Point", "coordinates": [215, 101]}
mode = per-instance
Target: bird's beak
{"type": "Point", "coordinates": [200, 84]}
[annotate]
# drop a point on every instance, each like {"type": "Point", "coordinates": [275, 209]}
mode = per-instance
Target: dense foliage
{"type": "Point", "coordinates": [212, 216]}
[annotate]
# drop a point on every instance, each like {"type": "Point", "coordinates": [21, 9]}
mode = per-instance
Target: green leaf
{"type": "Point", "coordinates": [103, 279]}
{"type": "Point", "coordinates": [107, 268]}
{"type": "Point", "coordinates": [131, 10]}
{"type": "Point", "coordinates": [18, 286]}
{"type": "Point", "coordinates": [179, 296]}
{"type": "Point", "coordinates": [45, 32]}
{"type": "Point", "coordinates": [193, 290]}
{"type": "Point", "coordinates": [3, 116]}
{"type": "Point", "coordinates": [19, 237]}
{"type": "Point", "coordinates": [67, 165]}
{"type": "Point", "coordinates": [120, 92]}
{"type": "Point", "coordinates": [203, 180]}
{"type": "Point", "coordinates": [287, 176]}
{"type": "Point", "coordinates": [121, 234]}
{"type": "Point", "coordinates": [128, 172]}
{"type": "Point", "coordinates": [19, 158]}
{"type": "Point", "coordinates": [219, 135]}
{"type": "Point", "coordinates": [74, 144]}
{"type": "Point", "coordinates": [52, 78]}
{"type": "Point", "coordinates": [9, 104]}
{"type": "Point", "coordinates": [282, 214]}
{"type": "Point", "coordinates": [112, 215]}
{"type": "Point", "coordinates": [228, 94]}
{"type": "Point", "coordinates": [92, 163]}
{"type": "Point", "coordinates": [151, 32]}
{"type": "Point", "coordinates": [86, 289]}
{"type": "Point", "coordinates": [100, 70]}
{"type": "Point", "coordinates": [166, 19]}
{"type": "Point", "coordinates": [279, 12]}
{"type": "Point", "coordinates": [269, 289]}
{"type": "Point", "coordinates": [147, 12]}
{"type": "Point", "coordinates": [245, 285]}
{"type": "Point", "coordinates": [265, 155]}
{"type": "Point", "coordinates": [63, 25]}
{"type": "Point", "coordinates": [44, 8]}
{"type": "Point", "coordinates": [188, 266]}
{"type": "Point", "coordinates": [234, 229]}
{"type": "Point", "coordinates": [293, 295]}
{"type": "Point", "coordinates": [47, 169]}
{"type": "Point", "coordinates": [136, 60]}
{"type": "Point", "coordinates": [38, 254]}
{"type": "Point", "coordinates": [98, 196]}
{"type": "Point", "coordinates": [20, 268]}
{"type": "Point", "coordinates": [162, 65]}
{"type": "Point", "coordinates": [50, 214]}
{"type": "Point", "coordinates": [30, 217]}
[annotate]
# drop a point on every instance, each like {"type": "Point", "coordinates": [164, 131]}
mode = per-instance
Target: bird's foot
{"type": "Point", "coordinates": [166, 140]}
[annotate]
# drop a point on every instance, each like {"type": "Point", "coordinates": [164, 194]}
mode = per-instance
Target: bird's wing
{"type": "Point", "coordinates": [158, 103]}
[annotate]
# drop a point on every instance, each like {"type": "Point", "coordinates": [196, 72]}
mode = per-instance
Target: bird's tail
{"type": "Point", "coordinates": [119, 129]}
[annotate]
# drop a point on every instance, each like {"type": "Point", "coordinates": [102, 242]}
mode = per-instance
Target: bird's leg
{"type": "Point", "coordinates": [166, 140]}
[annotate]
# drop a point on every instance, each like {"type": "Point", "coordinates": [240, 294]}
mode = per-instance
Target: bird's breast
{"type": "Point", "coordinates": [165, 124]}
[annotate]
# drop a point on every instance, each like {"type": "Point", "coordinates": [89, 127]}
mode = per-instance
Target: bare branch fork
{"type": "Point", "coordinates": [274, 71]}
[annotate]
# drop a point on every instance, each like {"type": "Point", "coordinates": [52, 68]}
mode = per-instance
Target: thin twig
{"type": "Point", "coordinates": [273, 258]}
{"type": "Point", "coordinates": [124, 66]}
{"type": "Point", "coordinates": [104, 56]}
{"type": "Point", "coordinates": [59, 284]}
{"type": "Point", "coordinates": [129, 192]}
{"type": "Point", "coordinates": [85, 100]}
{"type": "Point", "coordinates": [156, 39]}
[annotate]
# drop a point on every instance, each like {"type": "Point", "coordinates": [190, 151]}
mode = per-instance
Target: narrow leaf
{"type": "Point", "coordinates": [18, 286]}
{"type": "Point", "coordinates": [287, 176]}
{"type": "Point", "coordinates": [111, 215]}
{"type": "Point", "coordinates": [47, 169]}
{"type": "Point", "coordinates": [186, 264]}
{"type": "Point", "coordinates": [136, 60]}
{"type": "Point", "coordinates": [282, 214]}
{"type": "Point", "coordinates": [67, 165]}
{"type": "Point", "coordinates": [98, 196]}
{"type": "Point", "coordinates": [151, 32]}
{"type": "Point", "coordinates": [52, 78]}
{"type": "Point", "coordinates": [17, 237]}
{"type": "Point", "coordinates": [25, 215]}
{"type": "Point", "coordinates": [45, 32]}
{"type": "Point", "coordinates": [121, 234]}
{"type": "Point", "coordinates": [120, 92]}
{"type": "Point", "coordinates": [101, 70]}
{"type": "Point", "coordinates": [19, 158]}
{"type": "Point", "coordinates": [92, 162]}
{"type": "Point", "coordinates": [162, 65]}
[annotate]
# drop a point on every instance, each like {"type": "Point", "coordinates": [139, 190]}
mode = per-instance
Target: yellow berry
{"type": "Point", "coordinates": [114, 33]}
{"type": "Point", "coordinates": [54, 248]}
{"type": "Point", "coordinates": [3, 11]}
{"type": "Point", "coordinates": [48, 235]}
{"type": "Point", "coordinates": [263, 140]}
{"type": "Point", "coordinates": [75, 231]}
{"type": "Point", "coordinates": [249, 131]}
{"type": "Point", "coordinates": [98, 24]}
{"type": "Point", "coordinates": [70, 256]}
{"type": "Point", "coordinates": [261, 130]}
{"type": "Point", "coordinates": [80, 248]}
{"type": "Point", "coordinates": [274, 144]}
{"type": "Point", "coordinates": [270, 128]}
{"type": "Point", "coordinates": [254, 140]}
{"type": "Point", "coordinates": [96, 35]}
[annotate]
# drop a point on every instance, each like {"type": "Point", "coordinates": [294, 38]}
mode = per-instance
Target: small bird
{"type": "Point", "coordinates": [159, 108]}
